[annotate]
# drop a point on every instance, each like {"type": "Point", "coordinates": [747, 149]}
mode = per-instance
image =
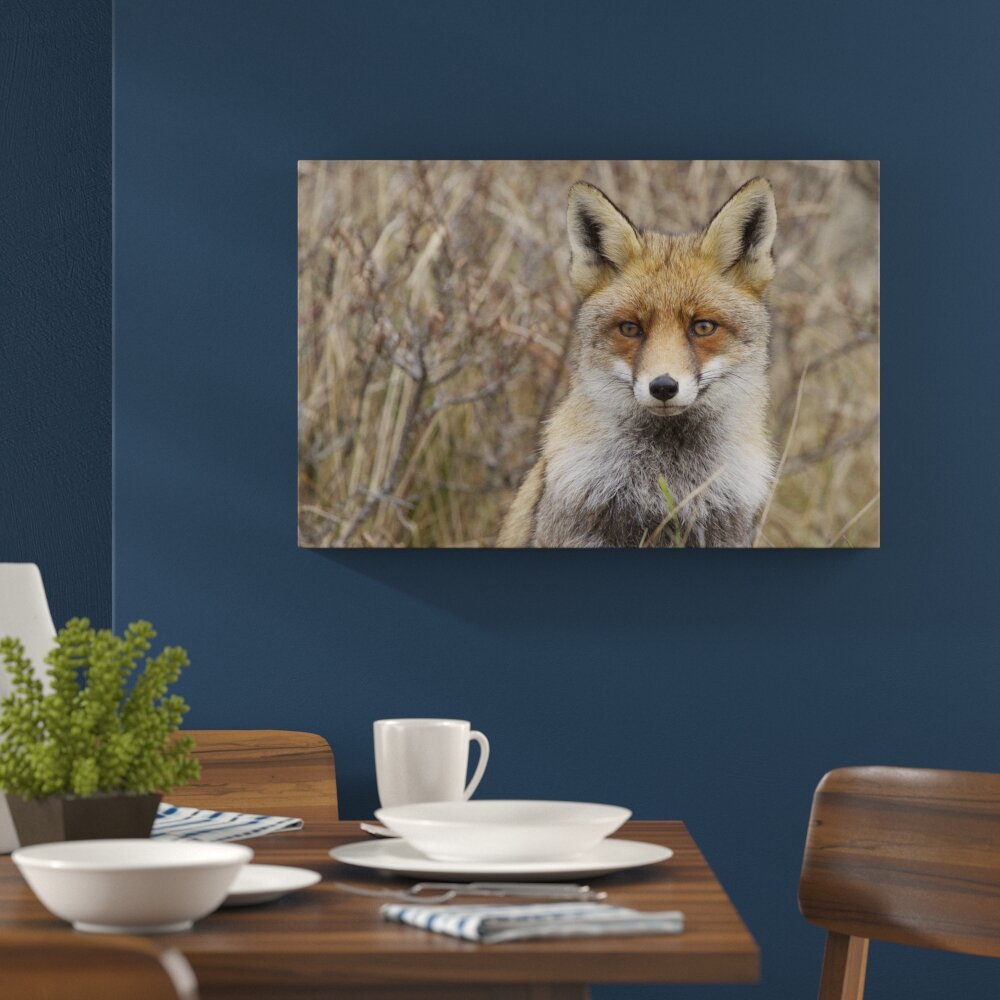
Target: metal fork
{"type": "Point", "coordinates": [443, 892]}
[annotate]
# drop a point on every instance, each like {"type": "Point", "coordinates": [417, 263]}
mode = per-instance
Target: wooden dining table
{"type": "Point", "coordinates": [322, 941]}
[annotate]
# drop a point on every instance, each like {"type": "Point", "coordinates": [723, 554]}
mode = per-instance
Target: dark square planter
{"type": "Point", "coordinates": [97, 817]}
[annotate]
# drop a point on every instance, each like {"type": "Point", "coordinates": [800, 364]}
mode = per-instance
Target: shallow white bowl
{"type": "Point", "coordinates": [131, 886]}
{"type": "Point", "coordinates": [499, 830]}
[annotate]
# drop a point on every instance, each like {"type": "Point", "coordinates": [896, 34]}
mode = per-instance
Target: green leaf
{"type": "Point", "coordinates": [93, 732]}
{"type": "Point", "coordinates": [672, 517]}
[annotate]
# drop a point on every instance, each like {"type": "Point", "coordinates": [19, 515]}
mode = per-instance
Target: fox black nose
{"type": "Point", "coordinates": [663, 387]}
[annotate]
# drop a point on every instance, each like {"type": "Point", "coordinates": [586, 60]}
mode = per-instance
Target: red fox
{"type": "Point", "coordinates": [661, 439]}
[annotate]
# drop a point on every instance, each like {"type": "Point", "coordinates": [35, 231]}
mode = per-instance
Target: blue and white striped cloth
{"type": "Point", "coordinates": [493, 924]}
{"type": "Point", "coordinates": [186, 822]}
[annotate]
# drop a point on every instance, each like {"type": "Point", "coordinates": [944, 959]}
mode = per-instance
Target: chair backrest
{"type": "Point", "coordinates": [904, 855]}
{"type": "Point", "coordinates": [40, 965]}
{"type": "Point", "coordinates": [276, 772]}
{"type": "Point", "coordinates": [24, 613]}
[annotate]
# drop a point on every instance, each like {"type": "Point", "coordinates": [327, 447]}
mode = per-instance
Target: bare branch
{"type": "Point", "coordinates": [815, 455]}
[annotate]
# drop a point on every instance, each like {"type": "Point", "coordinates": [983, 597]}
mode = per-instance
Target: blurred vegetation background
{"type": "Point", "coordinates": [436, 331]}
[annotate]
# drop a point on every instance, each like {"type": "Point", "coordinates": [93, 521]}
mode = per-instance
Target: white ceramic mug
{"type": "Point", "coordinates": [426, 760]}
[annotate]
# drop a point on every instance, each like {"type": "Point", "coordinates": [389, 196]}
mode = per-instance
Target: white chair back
{"type": "Point", "coordinates": [24, 612]}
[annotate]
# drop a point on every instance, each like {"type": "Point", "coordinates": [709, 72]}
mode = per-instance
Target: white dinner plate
{"type": "Point", "coordinates": [264, 883]}
{"type": "Point", "coordinates": [396, 857]}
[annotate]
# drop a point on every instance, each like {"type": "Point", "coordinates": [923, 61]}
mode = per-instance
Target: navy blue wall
{"type": "Point", "coordinates": [712, 686]}
{"type": "Point", "coordinates": [55, 299]}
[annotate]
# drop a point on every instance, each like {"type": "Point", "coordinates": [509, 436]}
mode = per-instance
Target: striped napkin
{"type": "Point", "coordinates": [496, 924]}
{"type": "Point", "coordinates": [177, 822]}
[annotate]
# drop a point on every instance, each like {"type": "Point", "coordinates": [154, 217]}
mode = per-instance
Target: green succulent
{"type": "Point", "coordinates": [96, 729]}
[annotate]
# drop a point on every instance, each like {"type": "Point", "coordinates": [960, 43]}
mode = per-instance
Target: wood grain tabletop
{"type": "Point", "coordinates": [324, 940]}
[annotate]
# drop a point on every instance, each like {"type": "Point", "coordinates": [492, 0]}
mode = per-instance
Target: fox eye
{"type": "Point", "coordinates": [704, 327]}
{"type": "Point", "coordinates": [630, 329]}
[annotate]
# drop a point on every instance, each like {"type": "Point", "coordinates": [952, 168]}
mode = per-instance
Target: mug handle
{"type": "Point", "coordinates": [484, 756]}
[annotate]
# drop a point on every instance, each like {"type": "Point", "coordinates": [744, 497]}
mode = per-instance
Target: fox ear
{"type": "Point", "coordinates": [601, 238]}
{"type": "Point", "coordinates": [739, 238]}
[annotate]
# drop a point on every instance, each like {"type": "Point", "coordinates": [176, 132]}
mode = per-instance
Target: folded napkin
{"type": "Point", "coordinates": [176, 822]}
{"type": "Point", "coordinates": [496, 924]}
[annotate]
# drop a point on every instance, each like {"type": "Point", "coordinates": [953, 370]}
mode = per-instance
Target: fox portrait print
{"type": "Point", "coordinates": [540, 354]}
{"type": "Point", "coordinates": [661, 439]}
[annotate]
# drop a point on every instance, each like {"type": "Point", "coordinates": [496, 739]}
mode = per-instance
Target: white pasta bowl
{"type": "Point", "coordinates": [131, 886]}
{"type": "Point", "coordinates": [485, 830]}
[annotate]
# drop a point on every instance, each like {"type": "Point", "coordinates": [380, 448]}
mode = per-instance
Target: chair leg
{"type": "Point", "coordinates": [844, 965]}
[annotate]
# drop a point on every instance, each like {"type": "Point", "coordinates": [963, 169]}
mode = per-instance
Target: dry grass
{"type": "Point", "coordinates": [436, 327]}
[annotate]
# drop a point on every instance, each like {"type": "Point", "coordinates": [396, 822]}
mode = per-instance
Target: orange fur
{"type": "Point", "coordinates": [604, 453]}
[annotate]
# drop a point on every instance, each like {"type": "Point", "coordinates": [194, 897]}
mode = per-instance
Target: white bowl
{"type": "Point", "coordinates": [131, 886]}
{"type": "Point", "coordinates": [503, 830]}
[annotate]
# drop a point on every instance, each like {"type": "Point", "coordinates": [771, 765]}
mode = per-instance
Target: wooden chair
{"type": "Point", "coordinates": [40, 965]}
{"type": "Point", "coordinates": [268, 771]}
{"type": "Point", "coordinates": [903, 855]}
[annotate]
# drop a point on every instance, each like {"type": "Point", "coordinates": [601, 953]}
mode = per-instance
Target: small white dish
{"type": "Point", "coordinates": [377, 830]}
{"type": "Point", "coordinates": [503, 830]}
{"type": "Point", "coordinates": [396, 857]}
{"type": "Point", "coordinates": [265, 883]}
{"type": "Point", "coordinates": [131, 886]}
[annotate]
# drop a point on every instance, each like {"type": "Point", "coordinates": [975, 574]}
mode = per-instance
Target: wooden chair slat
{"type": "Point", "coordinates": [905, 855]}
{"type": "Point", "coordinates": [40, 965]}
{"type": "Point", "coordinates": [270, 771]}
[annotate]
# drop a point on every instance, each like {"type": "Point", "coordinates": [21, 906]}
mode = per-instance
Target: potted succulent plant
{"type": "Point", "coordinates": [91, 756]}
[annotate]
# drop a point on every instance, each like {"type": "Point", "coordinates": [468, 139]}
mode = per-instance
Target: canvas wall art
{"type": "Point", "coordinates": [588, 354]}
